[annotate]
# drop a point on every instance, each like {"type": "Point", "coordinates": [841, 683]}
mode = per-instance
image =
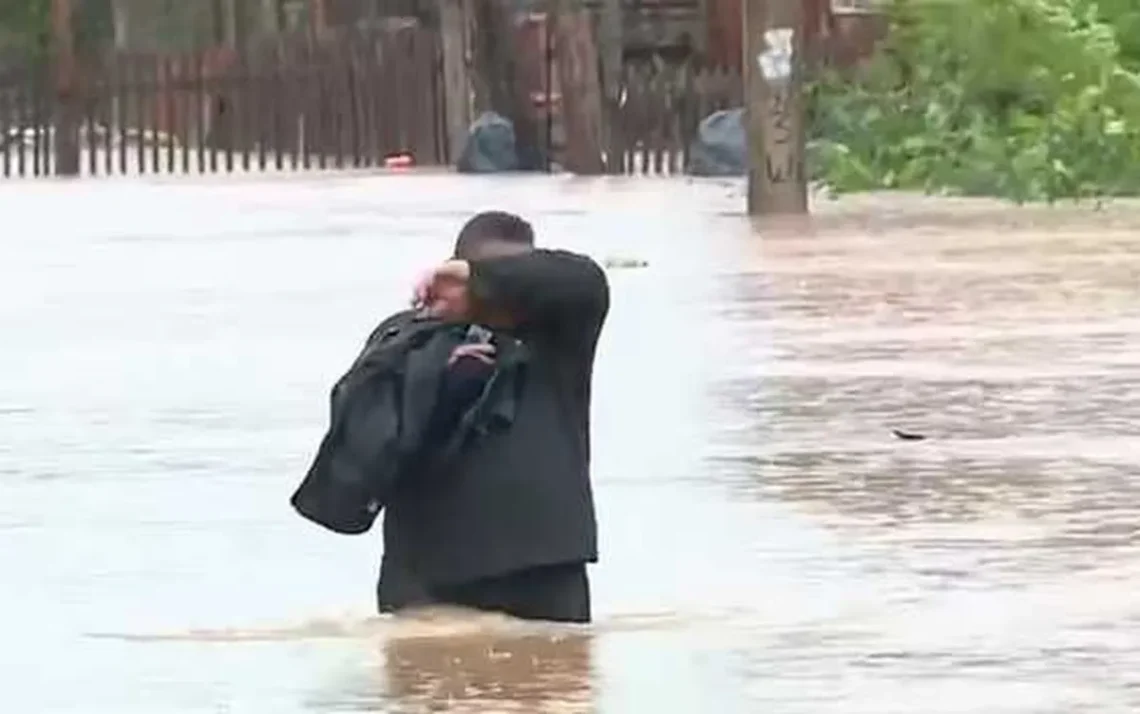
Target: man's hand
{"type": "Point", "coordinates": [484, 352]}
{"type": "Point", "coordinates": [443, 291]}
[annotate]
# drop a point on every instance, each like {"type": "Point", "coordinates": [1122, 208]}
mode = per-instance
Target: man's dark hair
{"type": "Point", "coordinates": [493, 227]}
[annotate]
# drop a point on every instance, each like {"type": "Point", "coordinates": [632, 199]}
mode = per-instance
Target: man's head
{"type": "Point", "coordinates": [493, 233]}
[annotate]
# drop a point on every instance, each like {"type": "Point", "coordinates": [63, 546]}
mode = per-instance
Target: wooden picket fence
{"type": "Point", "coordinates": [352, 99]}
{"type": "Point", "coordinates": [660, 111]}
{"type": "Point", "coordinates": [348, 99]}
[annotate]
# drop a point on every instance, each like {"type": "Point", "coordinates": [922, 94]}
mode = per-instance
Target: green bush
{"type": "Point", "coordinates": [1024, 99]}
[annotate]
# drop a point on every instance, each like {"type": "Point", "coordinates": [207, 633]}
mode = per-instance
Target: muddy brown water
{"type": "Point", "coordinates": [768, 545]}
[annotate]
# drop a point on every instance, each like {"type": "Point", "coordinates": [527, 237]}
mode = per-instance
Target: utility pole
{"type": "Point", "coordinates": [774, 106]}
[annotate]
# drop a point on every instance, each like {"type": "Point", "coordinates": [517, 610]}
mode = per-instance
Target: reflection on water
{"type": "Point", "coordinates": [767, 543]}
{"type": "Point", "coordinates": [536, 673]}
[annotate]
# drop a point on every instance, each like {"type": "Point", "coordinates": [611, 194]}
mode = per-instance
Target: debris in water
{"type": "Point", "coordinates": [625, 263]}
{"type": "Point", "coordinates": [907, 436]}
{"type": "Point", "coordinates": [399, 160]}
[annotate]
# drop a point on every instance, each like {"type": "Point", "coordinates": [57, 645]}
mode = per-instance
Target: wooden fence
{"type": "Point", "coordinates": [660, 109]}
{"type": "Point", "coordinates": [349, 99]}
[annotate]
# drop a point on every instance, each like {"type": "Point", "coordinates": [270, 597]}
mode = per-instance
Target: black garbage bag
{"type": "Point", "coordinates": [720, 147]}
{"type": "Point", "coordinates": [490, 146]}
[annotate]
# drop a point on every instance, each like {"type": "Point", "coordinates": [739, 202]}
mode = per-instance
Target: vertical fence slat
{"type": "Point", "coordinates": [353, 109]}
{"type": "Point", "coordinates": [429, 66]}
{"type": "Point", "coordinates": [170, 112]}
{"type": "Point", "coordinates": [31, 133]}
{"type": "Point", "coordinates": [228, 119]}
{"type": "Point", "coordinates": [105, 89]}
{"type": "Point", "coordinates": [637, 147]}
{"type": "Point", "coordinates": [308, 123]}
{"type": "Point", "coordinates": [185, 111]}
{"type": "Point", "coordinates": [321, 109]}
{"type": "Point", "coordinates": [154, 110]}
{"type": "Point", "coordinates": [363, 106]}
{"type": "Point", "coordinates": [411, 88]}
{"type": "Point", "coordinates": [52, 108]}
{"type": "Point", "coordinates": [676, 122]}
{"type": "Point", "coordinates": [142, 106]}
{"type": "Point", "coordinates": [213, 101]}
{"type": "Point", "coordinates": [294, 115]}
{"type": "Point", "coordinates": [396, 108]}
{"type": "Point", "coordinates": [366, 57]}
{"type": "Point", "coordinates": [439, 100]}
{"type": "Point", "coordinates": [38, 111]}
{"type": "Point", "coordinates": [122, 110]}
{"type": "Point", "coordinates": [420, 70]}
{"type": "Point", "coordinates": [89, 135]}
{"type": "Point", "coordinates": [36, 123]}
{"type": "Point", "coordinates": [17, 133]}
{"type": "Point", "coordinates": [6, 127]}
{"type": "Point", "coordinates": [199, 108]}
{"type": "Point", "coordinates": [403, 102]}
{"type": "Point", "coordinates": [262, 111]}
{"type": "Point", "coordinates": [386, 87]}
{"type": "Point", "coordinates": [337, 103]}
{"type": "Point", "coordinates": [248, 112]}
{"type": "Point", "coordinates": [282, 105]}
{"type": "Point", "coordinates": [661, 146]}
{"type": "Point", "coordinates": [241, 134]}
{"type": "Point", "coordinates": [49, 108]}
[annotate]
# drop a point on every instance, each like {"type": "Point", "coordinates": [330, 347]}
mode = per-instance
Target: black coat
{"type": "Point", "coordinates": [381, 422]}
{"type": "Point", "coordinates": [519, 496]}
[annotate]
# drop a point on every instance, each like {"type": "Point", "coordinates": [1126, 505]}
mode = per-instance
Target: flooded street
{"type": "Point", "coordinates": [166, 350]}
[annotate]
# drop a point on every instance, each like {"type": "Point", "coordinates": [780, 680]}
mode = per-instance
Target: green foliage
{"type": "Point", "coordinates": [1124, 17]}
{"type": "Point", "coordinates": [1025, 99]}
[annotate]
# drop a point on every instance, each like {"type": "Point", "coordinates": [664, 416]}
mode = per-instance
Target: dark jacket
{"type": "Point", "coordinates": [382, 416]}
{"type": "Point", "coordinates": [519, 497]}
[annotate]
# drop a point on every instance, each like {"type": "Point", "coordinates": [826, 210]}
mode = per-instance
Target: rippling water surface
{"type": "Point", "coordinates": [768, 545]}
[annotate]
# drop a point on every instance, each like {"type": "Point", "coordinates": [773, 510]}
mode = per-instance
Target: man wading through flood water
{"type": "Point", "coordinates": [508, 524]}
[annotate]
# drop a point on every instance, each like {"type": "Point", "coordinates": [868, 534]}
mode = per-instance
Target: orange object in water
{"type": "Point", "coordinates": [402, 160]}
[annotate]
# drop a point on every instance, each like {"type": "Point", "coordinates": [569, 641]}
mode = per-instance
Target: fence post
{"type": "Point", "coordinates": [66, 144]}
{"type": "Point", "coordinates": [456, 83]}
{"type": "Point", "coordinates": [577, 54]}
{"type": "Point", "coordinates": [774, 106]}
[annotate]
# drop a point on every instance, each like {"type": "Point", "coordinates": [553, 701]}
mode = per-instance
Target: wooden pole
{"type": "Point", "coordinates": [577, 54]}
{"type": "Point", "coordinates": [456, 83]}
{"type": "Point", "coordinates": [774, 106]}
{"type": "Point", "coordinates": [66, 90]}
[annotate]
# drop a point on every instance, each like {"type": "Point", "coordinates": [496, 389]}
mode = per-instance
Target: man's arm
{"type": "Point", "coordinates": [543, 290]}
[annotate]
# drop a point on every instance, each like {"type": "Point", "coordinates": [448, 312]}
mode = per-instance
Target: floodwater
{"type": "Point", "coordinates": [768, 545]}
